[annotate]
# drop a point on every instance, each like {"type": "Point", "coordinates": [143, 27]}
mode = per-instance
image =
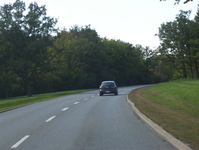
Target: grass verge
{"type": "Point", "coordinates": [10, 103]}
{"type": "Point", "coordinates": [174, 106]}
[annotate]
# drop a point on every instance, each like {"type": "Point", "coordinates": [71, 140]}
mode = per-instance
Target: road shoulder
{"type": "Point", "coordinates": [171, 139]}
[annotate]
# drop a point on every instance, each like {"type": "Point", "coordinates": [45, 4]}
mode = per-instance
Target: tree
{"type": "Point", "coordinates": [76, 57]}
{"type": "Point", "coordinates": [123, 63]}
{"type": "Point", "coordinates": [180, 43]}
{"type": "Point", "coordinates": [7, 78]}
{"type": "Point", "coordinates": [26, 35]}
{"type": "Point", "coordinates": [177, 1]}
{"type": "Point", "coordinates": [194, 43]}
{"type": "Point", "coordinates": [174, 37]}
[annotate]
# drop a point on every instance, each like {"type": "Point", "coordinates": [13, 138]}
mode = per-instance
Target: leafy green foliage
{"type": "Point", "coordinates": [179, 42]}
{"type": "Point", "coordinates": [82, 60]}
{"type": "Point", "coordinates": [32, 59]}
{"type": "Point", "coordinates": [177, 1]}
{"type": "Point", "coordinates": [24, 37]}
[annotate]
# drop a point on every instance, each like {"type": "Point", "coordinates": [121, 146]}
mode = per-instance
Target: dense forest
{"type": "Point", "coordinates": [36, 57]}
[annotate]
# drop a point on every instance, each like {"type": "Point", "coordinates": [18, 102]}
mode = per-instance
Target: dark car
{"type": "Point", "coordinates": [108, 87]}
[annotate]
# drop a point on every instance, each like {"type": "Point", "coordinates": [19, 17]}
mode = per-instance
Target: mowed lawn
{"type": "Point", "coordinates": [174, 106]}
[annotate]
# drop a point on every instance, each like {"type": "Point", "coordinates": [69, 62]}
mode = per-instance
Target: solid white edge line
{"type": "Point", "coordinates": [51, 118]}
{"type": "Point", "coordinates": [20, 141]}
{"type": "Point", "coordinates": [64, 109]}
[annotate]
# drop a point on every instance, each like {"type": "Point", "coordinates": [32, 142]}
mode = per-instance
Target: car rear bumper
{"type": "Point", "coordinates": [108, 91]}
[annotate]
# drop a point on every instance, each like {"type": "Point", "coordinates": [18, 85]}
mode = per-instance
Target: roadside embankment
{"type": "Point", "coordinates": [174, 106]}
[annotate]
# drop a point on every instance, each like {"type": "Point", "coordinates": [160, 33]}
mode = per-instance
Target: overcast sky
{"type": "Point", "coordinates": [133, 21]}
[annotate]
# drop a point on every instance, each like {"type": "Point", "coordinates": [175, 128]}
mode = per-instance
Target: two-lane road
{"type": "Point", "coordinates": [83, 121]}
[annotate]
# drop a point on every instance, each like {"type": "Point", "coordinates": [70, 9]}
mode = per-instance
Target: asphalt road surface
{"type": "Point", "coordinates": [83, 121]}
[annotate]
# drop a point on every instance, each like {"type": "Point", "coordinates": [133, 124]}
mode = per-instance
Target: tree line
{"type": "Point", "coordinates": [36, 57]}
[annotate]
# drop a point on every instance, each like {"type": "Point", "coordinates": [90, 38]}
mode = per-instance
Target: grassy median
{"type": "Point", "coordinates": [24, 100]}
{"type": "Point", "coordinates": [173, 105]}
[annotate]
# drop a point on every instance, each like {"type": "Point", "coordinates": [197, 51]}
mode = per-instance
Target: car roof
{"type": "Point", "coordinates": [108, 81]}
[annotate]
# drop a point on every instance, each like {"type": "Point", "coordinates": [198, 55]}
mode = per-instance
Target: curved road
{"type": "Point", "coordinates": [83, 121]}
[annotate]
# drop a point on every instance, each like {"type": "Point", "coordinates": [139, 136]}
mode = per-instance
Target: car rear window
{"type": "Point", "coordinates": [108, 84]}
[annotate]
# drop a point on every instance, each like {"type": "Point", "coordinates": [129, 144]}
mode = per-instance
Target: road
{"type": "Point", "coordinates": [83, 121]}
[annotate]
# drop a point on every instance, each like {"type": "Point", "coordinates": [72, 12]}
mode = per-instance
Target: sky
{"type": "Point", "coordinates": [132, 21]}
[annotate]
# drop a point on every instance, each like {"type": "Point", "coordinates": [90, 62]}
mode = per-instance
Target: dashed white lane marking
{"type": "Point", "coordinates": [86, 99]}
{"type": "Point", "coordinates": [93, 96]}
{"type": "Point", "coordinates": [75, 103]}
{"type": "Point", "coordinates": [64, 109]}
{"type": "Point", "coordinates": [20, 141]}
{"type": "Point", "coordinates": [51, 118]}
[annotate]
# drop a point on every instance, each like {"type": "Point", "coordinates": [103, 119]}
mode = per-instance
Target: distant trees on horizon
{"type": "Point", "coordinates": [35, 57]}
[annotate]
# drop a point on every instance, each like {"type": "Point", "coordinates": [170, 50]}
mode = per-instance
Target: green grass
{"type": "Point", "coordinates": [173, 105]}
{"type": "Point", "coordinates": [24, 100]}
{"type": "Point", "coordinates": [181, 94]}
